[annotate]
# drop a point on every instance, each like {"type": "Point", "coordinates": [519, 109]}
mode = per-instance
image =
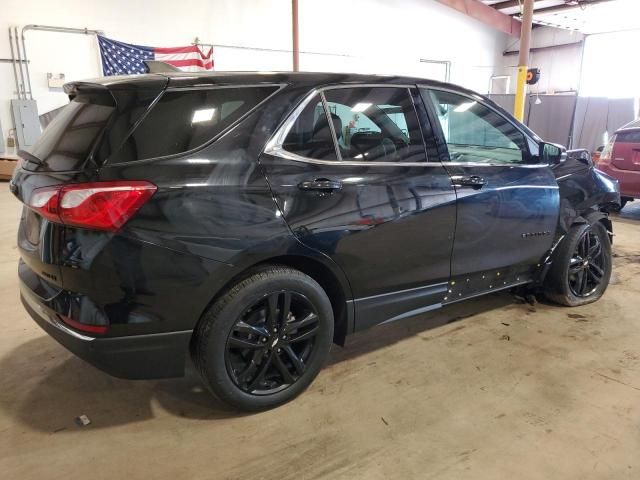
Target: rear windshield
{"type": "Point", "coordinates": [67, 141]}
{"type": "Point", "coordinates": [95, 127]}
{"type": "Point", "coordinates": [632, 136]}
{"type": "Point", "coordinates": [183, 120]}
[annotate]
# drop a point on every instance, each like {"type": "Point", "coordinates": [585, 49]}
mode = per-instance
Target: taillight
{"type": "Point", "coordinates": [605, 156]}
{"type": "Point", "coordinates": [97, 206]}
{"type": "Point", "coordinates": [84, 327]}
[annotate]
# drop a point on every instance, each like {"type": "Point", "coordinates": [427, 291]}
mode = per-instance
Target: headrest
{"type": "Point", "coordinates": [321, 130]}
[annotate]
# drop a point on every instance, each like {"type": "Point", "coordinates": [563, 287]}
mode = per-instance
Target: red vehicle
{"type": "Point", "coordinates": [621, 159]}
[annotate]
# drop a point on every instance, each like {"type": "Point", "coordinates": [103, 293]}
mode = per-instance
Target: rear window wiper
{"type": "Point", "coordinates": [30, 157]}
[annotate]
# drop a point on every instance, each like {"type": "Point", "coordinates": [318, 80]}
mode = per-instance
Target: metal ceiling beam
{"type": "Point", "coordinates": [544, 49]}
{"type": "Point", "coordinates": [562, 8]}
{"type": "Point", "coordinates": [486, 14]}
{"type": "Point", "coordinates": [508, 4]}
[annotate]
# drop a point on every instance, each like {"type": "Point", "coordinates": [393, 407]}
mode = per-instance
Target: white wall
{"type": "Point", "coordinates": [607, 70]}
{"type": "Point", "coordinates": [560, 67]}
{"type": "Point", "coordinates": [373, 36]}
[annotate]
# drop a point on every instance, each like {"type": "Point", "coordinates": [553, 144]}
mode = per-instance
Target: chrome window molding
{"type": "Point", "coordinates": [481, 164]}
{"type": "Point", "coordinates": [274, 145]}
{"type": "Point", "coordinates": [278, 151]}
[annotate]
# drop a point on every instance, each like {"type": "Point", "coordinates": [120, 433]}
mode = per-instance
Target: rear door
{"type": "Point", "coordinates": [359, 188]}
{"type": "Point", "coordinates": [626, 150]}
{"type": "Point", "coordinates": [507, 204]}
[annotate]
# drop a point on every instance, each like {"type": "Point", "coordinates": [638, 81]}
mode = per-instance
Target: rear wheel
{"type": "Point", "coordinates": [265, 340]}
{"type": "Point", "coordinates": [581, 266]}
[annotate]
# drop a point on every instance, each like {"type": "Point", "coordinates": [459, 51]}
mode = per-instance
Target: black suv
{"type": "Point", "coordinates": [253, 219]}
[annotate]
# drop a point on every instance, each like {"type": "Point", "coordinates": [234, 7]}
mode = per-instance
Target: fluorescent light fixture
{"type": "Point", "coordinates": [360, 107]}
{"type": "Point", "coordinates": [199, 160]}
{"type": "Point", "coordinates": [203, 115]}
{"type": "Point", "coordinates": [353, 179]}
{"type": "Point", "coordinates": [463, 107]}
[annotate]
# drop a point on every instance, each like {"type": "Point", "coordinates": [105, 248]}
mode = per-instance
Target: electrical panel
{"type": "Point", "coordinates": [27, 122]}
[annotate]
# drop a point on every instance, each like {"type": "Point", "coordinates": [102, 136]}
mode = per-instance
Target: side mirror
{"type": "Point", "coordinates": [581, 155]}
{"type": "Point", "coordinates": [552, 154]}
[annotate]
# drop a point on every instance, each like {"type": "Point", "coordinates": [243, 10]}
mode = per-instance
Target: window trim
{"type": "Point", "coordinates": [477, 98]}
{"type": "Point", "coordinates": [274, 145]}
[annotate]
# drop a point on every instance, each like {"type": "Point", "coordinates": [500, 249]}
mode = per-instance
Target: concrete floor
{"type": "Point", "coordinates": [508, 391]}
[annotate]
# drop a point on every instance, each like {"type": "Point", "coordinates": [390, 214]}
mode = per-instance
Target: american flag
{"type": "Point", "coordinates": [119, 58]}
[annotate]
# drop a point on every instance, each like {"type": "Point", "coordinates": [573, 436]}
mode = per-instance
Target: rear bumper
{"type": "Point", "coordinates": [629, 180]}
{"type": "Point", "coordinates": [160, 355]}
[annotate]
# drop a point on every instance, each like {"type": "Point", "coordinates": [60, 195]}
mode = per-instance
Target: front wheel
{"type": "Point", "coordinates": [265, 340]}
{"type": "Point", "coordinates": [581, 266]}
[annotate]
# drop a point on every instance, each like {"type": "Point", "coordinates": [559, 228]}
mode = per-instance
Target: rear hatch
{"type": "Point", "coordinates": [626, 150]}
{"type": "Point", "coordinates": [74, 145]}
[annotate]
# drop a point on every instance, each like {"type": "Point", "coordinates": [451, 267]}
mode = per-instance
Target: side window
{"type": "Point", "coordinates": [375, 124]}
{"type": "Point", "coordinates": [184, 120]}
{"type": "Point", "coordinates": [475, 133]}
{"type": "Point", "coordinates": [310, 136]}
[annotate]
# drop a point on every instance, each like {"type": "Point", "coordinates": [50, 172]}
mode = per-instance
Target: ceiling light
{"type": "Point", "coordinates": [360, 107]}
{"type": "Point", "coordinates": [463, 107]}
{"type": "Point", "coordinates": [204, 115]}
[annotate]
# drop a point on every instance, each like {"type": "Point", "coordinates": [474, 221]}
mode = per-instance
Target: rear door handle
{"type": "Point", "coordinates": [321, 184]}
{"type": "Point", "coordinates": [473, 181]}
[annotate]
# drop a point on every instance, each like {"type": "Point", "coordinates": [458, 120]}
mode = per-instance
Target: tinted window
{"type": "Point", "coordinates": [475, 133]}
{"type": "Point", "coordinates": [310, 136]}
{"type": "Point", "coordinates": [628, 137]}
{"type": "Point", "coordinates": [184, 120]}
{"type": "Point", "coordinates": [68, 140]}
{"type": "Point", "coordinates": [375, 124]}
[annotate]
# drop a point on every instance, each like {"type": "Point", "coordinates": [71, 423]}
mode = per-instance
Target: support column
{"type": "Point", "coordinates": [523, 60]}
{"type": "Point", "coordinates": [294, 31]}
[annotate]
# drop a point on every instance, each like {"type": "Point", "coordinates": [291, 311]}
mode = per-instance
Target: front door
{"type": "Point", "coordinates": [507, 203]}
{"type": "Point", "coordinates": [352, 180]}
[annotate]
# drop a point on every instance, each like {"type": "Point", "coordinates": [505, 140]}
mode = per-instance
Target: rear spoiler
{"type": "Point", "coordinates": [110, 84]}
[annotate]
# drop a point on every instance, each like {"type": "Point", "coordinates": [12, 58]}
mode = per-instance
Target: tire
{"type": "Point", "coordinates": [564, 283]}
{"type": "Point", "coordinates": [235, 341]}
{"type": "Point", "coordinates": [623, 202]}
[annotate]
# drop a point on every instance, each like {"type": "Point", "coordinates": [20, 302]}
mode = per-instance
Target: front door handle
{"type": "Point", "coordinates": [321, 184]}
{"type": "Point", "coordinates": [473, 181]}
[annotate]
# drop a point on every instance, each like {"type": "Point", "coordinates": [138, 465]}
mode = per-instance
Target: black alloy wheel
{"type": "Point", "coordinates": [263, 341]}
{"type": "Point", "coordinates": [270, 343]}
{"type": "Point", "coordinates": [581, 266]}
{"type": "Point", "coordinates": [586, 269]}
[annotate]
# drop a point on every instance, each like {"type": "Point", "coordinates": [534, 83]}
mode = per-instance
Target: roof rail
{"type": "Point", "coordinates": [155, 66]}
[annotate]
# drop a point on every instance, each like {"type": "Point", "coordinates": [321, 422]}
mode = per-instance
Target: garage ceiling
{"type": "Point", "coordinates": [586, 16]}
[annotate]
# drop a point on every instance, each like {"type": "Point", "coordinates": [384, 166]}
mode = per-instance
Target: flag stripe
{"type": "Point", "coordinates": [189, 63]}
{"type": "Point", "coordinates": [119, 58]}
{"type": "Point", "coordinates": [190, 49]}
